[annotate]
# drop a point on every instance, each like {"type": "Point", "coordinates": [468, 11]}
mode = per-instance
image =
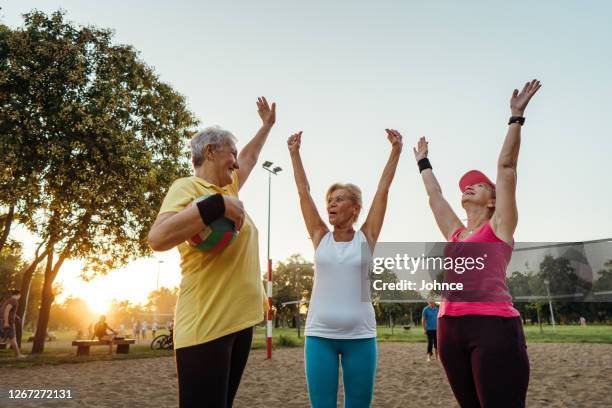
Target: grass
{"type": "Point", "coordinates": [561, 334]}
{"type": "Point", "coordinates": [56, 356]}
{"type": "Point", "coordinates": [62, 352]}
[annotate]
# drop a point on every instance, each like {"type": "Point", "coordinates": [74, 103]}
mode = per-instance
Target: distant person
{"type": "Point", "coordinates": [153, 328]}
{"type": "Point", "coordinates": [101, 332]}
{"type": "Point", "coordinates": [136, 330]}
{"type": "Point", "coordinates": [121, 328]}
{"type": "Point", "coordinates": [143, 330]}
{"type": "Point", "coordinates": [8, 318]}
{"type": "Point", "coordinates": [430, 326]}
{"type": "Point", "coordinates": [582, 321]}
{"type": "Point", "coordinates": [170, 327]}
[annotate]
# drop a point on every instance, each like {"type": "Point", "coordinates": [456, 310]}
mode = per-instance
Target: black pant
{"type": "Point", "coordinates": [431, 341]}
{"type": "Point", "coordinates": [485, 359]}
{"type": "Point", "coordinates": [209, 373]}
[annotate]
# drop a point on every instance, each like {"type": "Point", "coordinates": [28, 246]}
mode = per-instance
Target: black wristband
{"type": "Point", "coordinates": [517, 119]}
{"type": "Point", "coordinates": [211, 208]}
{"type": "Point", "coordinates": [424, 164]}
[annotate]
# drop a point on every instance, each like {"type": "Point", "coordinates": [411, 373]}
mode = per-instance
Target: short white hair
{"type": "Point", "coordinates": [212, 135]}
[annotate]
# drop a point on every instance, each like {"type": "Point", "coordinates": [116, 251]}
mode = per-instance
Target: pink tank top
{"type": "Point", "coordinates": [494, 280]}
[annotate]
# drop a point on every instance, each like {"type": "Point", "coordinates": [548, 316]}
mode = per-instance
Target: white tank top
{"type": "Point", "coordinates": [336, 309]}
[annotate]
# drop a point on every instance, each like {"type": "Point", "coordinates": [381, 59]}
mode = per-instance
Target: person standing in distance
{"type": "Point", "coordinates": [8, 317]}
{"type": "Point", "coordinates": [429, 321]}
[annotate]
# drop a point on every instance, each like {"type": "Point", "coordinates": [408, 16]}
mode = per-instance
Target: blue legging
{"type": "Point", "coordinates": [358, 371]}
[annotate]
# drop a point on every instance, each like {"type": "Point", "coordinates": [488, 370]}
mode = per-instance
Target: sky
{"type": "Point", "coordinates": [344, 71]}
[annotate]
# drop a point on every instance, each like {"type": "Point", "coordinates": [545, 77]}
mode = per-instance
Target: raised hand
{"type": "Point", "coordinates": [267, 114]}
{"type": "Point", "coordinates": [294, 141]}
{"type": "Point", "coordinates": [422, 149]}
{"type": "Point", "coordinates": [519, 100]}
{"type": "Point", "coordinates": [395, 138]}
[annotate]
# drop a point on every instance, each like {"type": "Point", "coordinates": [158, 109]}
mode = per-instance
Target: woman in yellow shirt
{"type": "Point", "coordinates": [221, 294]}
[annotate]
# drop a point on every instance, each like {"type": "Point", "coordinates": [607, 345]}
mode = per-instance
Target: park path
{"type": "Point", "coordinates": [562, 375]}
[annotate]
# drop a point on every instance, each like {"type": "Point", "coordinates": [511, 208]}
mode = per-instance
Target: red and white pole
{"type": "Point", "coordinates": [274, 171]}
{"type": "Point", "coordinates": [269, 316]}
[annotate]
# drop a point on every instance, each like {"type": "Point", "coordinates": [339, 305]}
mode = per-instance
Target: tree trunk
{"type": "Point", "coordinates": [47, 292]}
{"type": "Point", "coordinates": [45, 307]}
{"type": "Point", "coordinates": [6, 227]}
{"type": "Point", "coordinates": [26, 281]}
{"type": "Point", "coordinates": [48, 297]}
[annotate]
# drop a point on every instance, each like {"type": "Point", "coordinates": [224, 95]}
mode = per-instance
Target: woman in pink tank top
{"type": "Point", "coordinates": [480, 339]}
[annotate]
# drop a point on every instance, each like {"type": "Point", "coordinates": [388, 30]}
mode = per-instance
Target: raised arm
{"type": "Point", "coordinates": [247, 159]}
{"type": "Point", "coordinates": [505, 217]}
{"type": "Point", "coordinates": [314, 224]}
{"type": "Point", "coordinates": [374, 221]}
{"type": "Point", "coordinates": [445, 217]}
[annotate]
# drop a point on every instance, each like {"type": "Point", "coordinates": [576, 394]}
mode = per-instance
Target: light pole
{"type": "Point", "coordinates": [159, 262]}
{"type": "Point", "coordinates": [552, 314]}
{"type": "Point", "coordinates": [267, 165]}
{"type": "Point", "coordinates": [299, 298]}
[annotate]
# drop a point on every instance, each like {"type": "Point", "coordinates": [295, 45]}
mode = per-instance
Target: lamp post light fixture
{"type": "Point", "coordinates": [159, 262]}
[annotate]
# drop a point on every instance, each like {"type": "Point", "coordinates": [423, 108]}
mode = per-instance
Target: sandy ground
{"type": "Point", "coordinates": [562, 375]}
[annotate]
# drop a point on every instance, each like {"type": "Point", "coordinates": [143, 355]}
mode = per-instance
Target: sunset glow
{"type": "Point", "coordinates": [133, 282]}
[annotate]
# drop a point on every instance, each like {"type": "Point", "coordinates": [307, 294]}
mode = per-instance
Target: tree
{"type": "Point", "coordinates": [124, 312]}
{"type": "Point", "coordinates": [390, 306]}
{"type": "Point", "coordinates": [292, 281]}
{"type": "Point", "coordinates": [11, 263]}
{"type": "Point", "coordinates": [31, 305]}
{"type": "Point", "coordinates": [162, 301]}
{"type": "Point", "coordinates": [604, 279]}
{"type": "Point", "coordinates": [111, 137]}
{"type": "Point", "coordinates": [73, 313]}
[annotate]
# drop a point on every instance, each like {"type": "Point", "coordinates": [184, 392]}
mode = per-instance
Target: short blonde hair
{"type": "Point", "coordinates": [354, 194]}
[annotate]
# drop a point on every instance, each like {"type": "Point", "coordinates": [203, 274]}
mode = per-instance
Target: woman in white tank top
{"type": "Point", "coordinates": [341, 326]}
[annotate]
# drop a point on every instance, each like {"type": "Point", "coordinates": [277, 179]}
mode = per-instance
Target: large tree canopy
{"type": "Point", "coordinates": [92, 139]}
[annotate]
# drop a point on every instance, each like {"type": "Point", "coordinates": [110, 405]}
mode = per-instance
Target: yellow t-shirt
{"type": "Point", "coordinates": [220, 293]}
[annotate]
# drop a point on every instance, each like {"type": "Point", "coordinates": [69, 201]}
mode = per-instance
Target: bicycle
{"type": "Point", "coordinates": [163, 342]}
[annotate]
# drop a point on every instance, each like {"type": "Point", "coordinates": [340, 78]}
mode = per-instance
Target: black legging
{"type": "Point", "coordinates": [209, 373]}
{"type": "Point", "coordinates": [485, 359]}
{"type": "Point", "coordinates": [431, 341]}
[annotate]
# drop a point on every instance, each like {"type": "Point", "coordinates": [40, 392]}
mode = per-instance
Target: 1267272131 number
{"type": "Point", "coordinates": [39, 394]}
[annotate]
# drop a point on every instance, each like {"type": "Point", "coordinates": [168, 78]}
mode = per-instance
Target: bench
{"type": "Point", "coordinates": [123, 345]}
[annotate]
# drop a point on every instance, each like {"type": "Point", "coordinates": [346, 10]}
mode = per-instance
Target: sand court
{"type": "Point", "coordinates": [562, 375]}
